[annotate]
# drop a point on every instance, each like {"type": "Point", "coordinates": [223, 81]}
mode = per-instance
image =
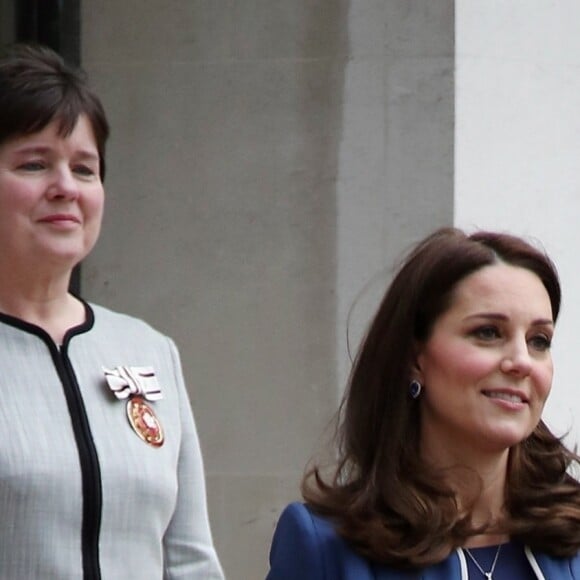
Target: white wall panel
{"type": "Point", "coordinates": [517, 148]}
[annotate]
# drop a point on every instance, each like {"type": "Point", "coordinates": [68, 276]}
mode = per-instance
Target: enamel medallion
{"type": "Point", "coordinates": [144, 421]}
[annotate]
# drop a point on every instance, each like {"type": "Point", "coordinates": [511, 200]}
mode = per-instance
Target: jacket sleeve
{"type": "Point", "coordinates": [296, 551]}
{"type": "Point", "coordinates": [188, 547]}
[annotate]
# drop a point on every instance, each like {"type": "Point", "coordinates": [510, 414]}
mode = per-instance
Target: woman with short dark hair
{"type": "Point", "coordinates": [445, 468]}
{"type": "Point", "coordinates": [101, 473]}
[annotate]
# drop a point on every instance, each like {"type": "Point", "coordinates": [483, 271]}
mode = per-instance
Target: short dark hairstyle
{"type": "Point", "coordinates": [38, 87]}
{"type": "Point", "coordinates": [385, 501]}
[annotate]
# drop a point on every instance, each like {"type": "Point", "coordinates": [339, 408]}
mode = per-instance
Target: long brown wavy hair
{"type": "Point", "coordinates": [384, 500]}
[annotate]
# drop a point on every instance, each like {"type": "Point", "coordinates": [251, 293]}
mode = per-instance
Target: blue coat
{"type": "Point", "coordinates": [306, 547]}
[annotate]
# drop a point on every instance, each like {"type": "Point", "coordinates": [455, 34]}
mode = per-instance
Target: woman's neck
{"type": "Point", "coordinates": [44, 303]}
{"type": "Point", "coordinates": [479, 480]}
{"type": "Point", "coordinates": [488, 506]}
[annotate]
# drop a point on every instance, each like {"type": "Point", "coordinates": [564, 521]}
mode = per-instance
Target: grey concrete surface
{"type": "Point", "coordinates": [267, 158]}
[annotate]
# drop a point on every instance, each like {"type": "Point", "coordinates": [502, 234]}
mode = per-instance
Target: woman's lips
{"type": "Point", "coordinates": [513, 396]}
{"type": "Point", "coordinates": [60, 218]}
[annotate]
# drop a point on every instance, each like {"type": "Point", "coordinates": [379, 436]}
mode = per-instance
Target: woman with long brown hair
{"type": "Point", "coordinates": [445, 468]}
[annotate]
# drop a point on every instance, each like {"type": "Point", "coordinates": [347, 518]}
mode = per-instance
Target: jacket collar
{"type": "Point", "coordinates": [455, 567]}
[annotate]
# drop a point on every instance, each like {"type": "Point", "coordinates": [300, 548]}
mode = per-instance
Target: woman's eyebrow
{"type": "Point", "coordinates": [503, 317]}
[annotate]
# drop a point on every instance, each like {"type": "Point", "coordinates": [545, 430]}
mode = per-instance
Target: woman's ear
{"type": "Point", "coordinates": [416, 362]}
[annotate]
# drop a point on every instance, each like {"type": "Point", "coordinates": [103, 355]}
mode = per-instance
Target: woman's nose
{"type": "Point", "coordinates": [63, 185]}
{"type": "Point", "coordinates": [517, 359]}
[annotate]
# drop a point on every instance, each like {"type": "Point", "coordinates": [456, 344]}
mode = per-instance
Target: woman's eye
{"type": "Point", "coordinates": [486, 333]}
{"type": "Point", "coordinates": [540, 342]}
{"type": "Point", "coordinates": [84, 170]}
{"type": "Point", "coordinates": [32, 166]}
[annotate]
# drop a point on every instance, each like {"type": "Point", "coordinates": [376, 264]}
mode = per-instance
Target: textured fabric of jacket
{"type": "Point", "coordinates": [306, 547]}
{"type": "Point", "coordinates": [81, 495]}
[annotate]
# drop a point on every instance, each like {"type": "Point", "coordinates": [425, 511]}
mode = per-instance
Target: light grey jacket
{"type": "Point", "coordinates": [81, 495]}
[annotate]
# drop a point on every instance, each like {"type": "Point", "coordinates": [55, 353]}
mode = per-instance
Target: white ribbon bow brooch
{"type": "Point", "coordinates": [126, 382]}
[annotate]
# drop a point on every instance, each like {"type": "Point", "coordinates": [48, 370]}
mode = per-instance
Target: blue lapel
{"type": "Point", "coordinates": [559, 568]}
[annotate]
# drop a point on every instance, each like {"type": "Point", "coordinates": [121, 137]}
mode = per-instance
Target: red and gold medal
{"type": "Point", "coordinates": [144, 421]}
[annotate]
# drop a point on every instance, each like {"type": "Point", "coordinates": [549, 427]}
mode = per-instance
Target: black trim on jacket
{"type": "Point", "coordinates": [88, 458]}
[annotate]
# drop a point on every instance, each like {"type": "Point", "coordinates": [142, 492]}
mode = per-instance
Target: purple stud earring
{"type": "Point", "coordinates": [415, 388]}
